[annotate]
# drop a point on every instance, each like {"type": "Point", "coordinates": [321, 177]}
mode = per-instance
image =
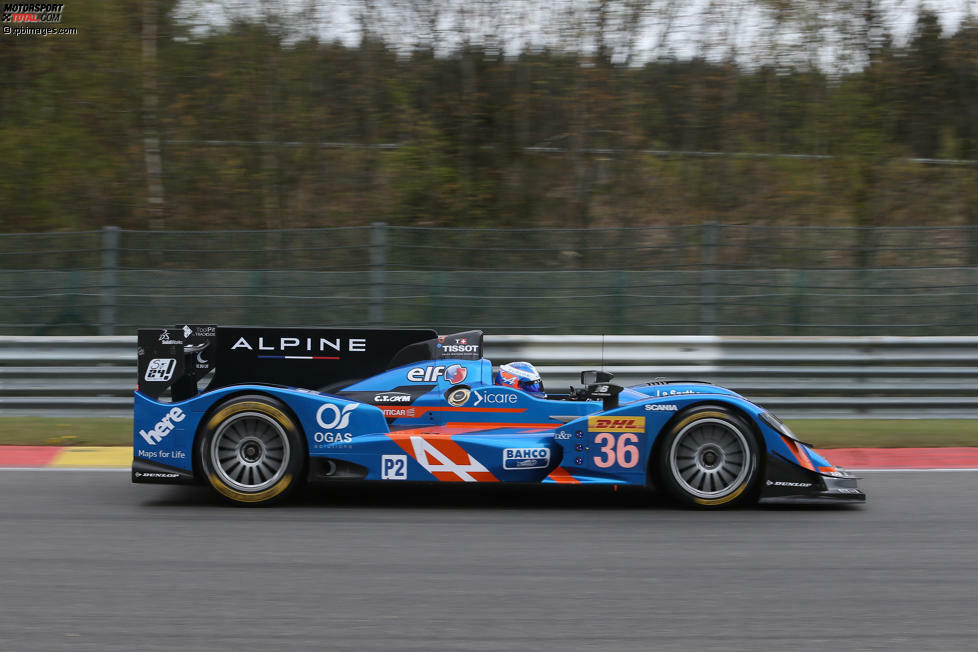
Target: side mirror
{"type": "Point", "coordinates": [593, 376]}
{"type": "Point", "coordinates": [607, 392]}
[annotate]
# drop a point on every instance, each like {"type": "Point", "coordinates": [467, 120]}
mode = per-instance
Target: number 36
{"type": "Point", "coordinates": [623, 452]}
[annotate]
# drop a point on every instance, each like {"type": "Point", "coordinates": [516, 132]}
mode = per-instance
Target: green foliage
{"type": "Point", "coordinates": [260, 132]}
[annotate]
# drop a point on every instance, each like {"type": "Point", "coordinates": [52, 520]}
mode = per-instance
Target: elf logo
{"type": "Point", "coordinates": [454, 374]}
{"type": "Point", "coordinates": [616, 424]}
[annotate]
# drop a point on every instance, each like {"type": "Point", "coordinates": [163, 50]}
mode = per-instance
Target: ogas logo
{"type": "Point", "coordinates": [338, 417]}
{"type": "Point", "coordinates": [332, 437]}
{"type": "Point", "coordinates": [616, 424]}
{"type": "Point", "coordinates": [331, 416]}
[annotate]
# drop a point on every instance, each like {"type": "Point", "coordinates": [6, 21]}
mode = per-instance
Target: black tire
{"type": "Point", "coordinates": [709, 459]}
{"type": "Point", "coordinates": [252, 451]}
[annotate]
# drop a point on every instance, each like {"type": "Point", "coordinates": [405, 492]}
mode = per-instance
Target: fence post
{"type": "Point", "coordinates": [378, 272]}
{"type": "Point", "coordinates": [109, 280]}
{"type": "Point", "coordinates": [708, 280]}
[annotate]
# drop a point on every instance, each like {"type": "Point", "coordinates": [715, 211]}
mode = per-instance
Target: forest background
{"type": "Point", "coordinates": [155, 116]}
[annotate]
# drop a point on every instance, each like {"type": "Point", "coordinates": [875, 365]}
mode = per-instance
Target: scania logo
{"type": "Point", "coordinates": [338, 418]}
{"type": "Point", "coordinates": [658, 407]}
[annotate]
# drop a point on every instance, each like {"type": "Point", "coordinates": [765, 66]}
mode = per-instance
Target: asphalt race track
{"type": "Point", "coordinates": [91, 562]}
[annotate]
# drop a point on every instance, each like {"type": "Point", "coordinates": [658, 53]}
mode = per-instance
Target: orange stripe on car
{"type": "Point", "coordinates": [441, 456]}
{"type": "Point", "coordinates": [799, 454]}
{"type": "Point", "coordinates": [493, 425]}
{"type": "Point", "coordinates": [560, 475]}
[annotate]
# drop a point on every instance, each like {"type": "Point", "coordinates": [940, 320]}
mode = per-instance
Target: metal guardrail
{"type": "Point", "coordinates": [798, 377]}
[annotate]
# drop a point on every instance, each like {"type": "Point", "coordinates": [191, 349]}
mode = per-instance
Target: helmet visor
{"type": "Point", "coordinates": [532, 386]}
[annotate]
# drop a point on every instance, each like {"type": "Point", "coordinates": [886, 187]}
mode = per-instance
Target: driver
{"type": "Point", "coordinates": [520, 375]}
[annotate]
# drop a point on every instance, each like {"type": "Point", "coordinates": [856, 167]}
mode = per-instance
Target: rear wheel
{"type": "Point", "coordinates": [251, 450]}
{"type": "Point", "coordinates": [709, 459]}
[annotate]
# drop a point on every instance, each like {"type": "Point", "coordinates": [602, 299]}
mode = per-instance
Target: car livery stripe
{"type": "Point", "coordinates": [494, 425]}
{"type": "Point", "coordinates": [300, 357]}
{"type": "Point", "coordinates": [441, 456]}
{"type": "Point", "coordinates": [438, 408]}
{"type": "Point", "coordinates": [417, 411]}
{"type": "Point", "coordinates": [799, 454]}
{"type": "Point", "coordinates": [560, 475]}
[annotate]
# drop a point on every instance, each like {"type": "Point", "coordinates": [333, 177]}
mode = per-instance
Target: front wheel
{"type": "Point", "coordinates": [709, 459]}
{"type": "Point", "coordinates": [251, 450]}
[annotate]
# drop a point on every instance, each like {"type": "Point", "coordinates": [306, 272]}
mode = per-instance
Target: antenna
{"type": "Point", "coordinates": [602, 351]}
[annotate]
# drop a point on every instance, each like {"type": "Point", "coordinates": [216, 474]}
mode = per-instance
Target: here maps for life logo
{"type": "Point", "coordinates": [29, 12]}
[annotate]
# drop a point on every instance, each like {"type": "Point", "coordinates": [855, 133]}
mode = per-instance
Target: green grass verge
{"type": "Point", "coordinates": [824, 433]}
{"type": "Point", "coordinates": [886, 433]}
{"type": "Point", "coordinates": [45, 431]}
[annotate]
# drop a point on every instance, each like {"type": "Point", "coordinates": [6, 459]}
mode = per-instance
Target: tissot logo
{"type": "Point", "coordinates": [300, 345]}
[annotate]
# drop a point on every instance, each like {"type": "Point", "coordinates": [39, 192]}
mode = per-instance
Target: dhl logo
{"type": "Point", "coordinates": [616, 424]}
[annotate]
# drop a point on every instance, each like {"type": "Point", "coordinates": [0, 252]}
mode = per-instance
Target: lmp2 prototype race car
{"type": "Point", "coordinates": [256, 412]}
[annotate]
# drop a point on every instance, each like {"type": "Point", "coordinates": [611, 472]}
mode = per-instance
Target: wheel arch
{"type": "Point", "coordinates": [650, 470]}
{"type": "Point", "coordinates": [209, 412]}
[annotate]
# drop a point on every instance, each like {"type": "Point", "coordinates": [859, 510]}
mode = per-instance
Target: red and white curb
{"type": "Point", "coordinates": [904, 459]}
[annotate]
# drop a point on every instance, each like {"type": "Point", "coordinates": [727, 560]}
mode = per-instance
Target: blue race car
{"type": "Point", "coordinates": [256, 412]}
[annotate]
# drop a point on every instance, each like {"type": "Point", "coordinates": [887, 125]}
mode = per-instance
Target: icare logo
{"type": "Point", "coordinates": [616, 424]}
{"type": "Point", "coordinates": [338, 418]}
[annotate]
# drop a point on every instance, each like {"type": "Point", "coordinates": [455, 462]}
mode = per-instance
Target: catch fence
{"type": "Point", "coordinates": [706, 279]}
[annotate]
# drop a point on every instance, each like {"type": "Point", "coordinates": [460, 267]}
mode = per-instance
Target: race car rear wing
{"type": "Point", "coordinates": [174, 359]}
{"type": "Point", "coordinates": [177, 358]}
